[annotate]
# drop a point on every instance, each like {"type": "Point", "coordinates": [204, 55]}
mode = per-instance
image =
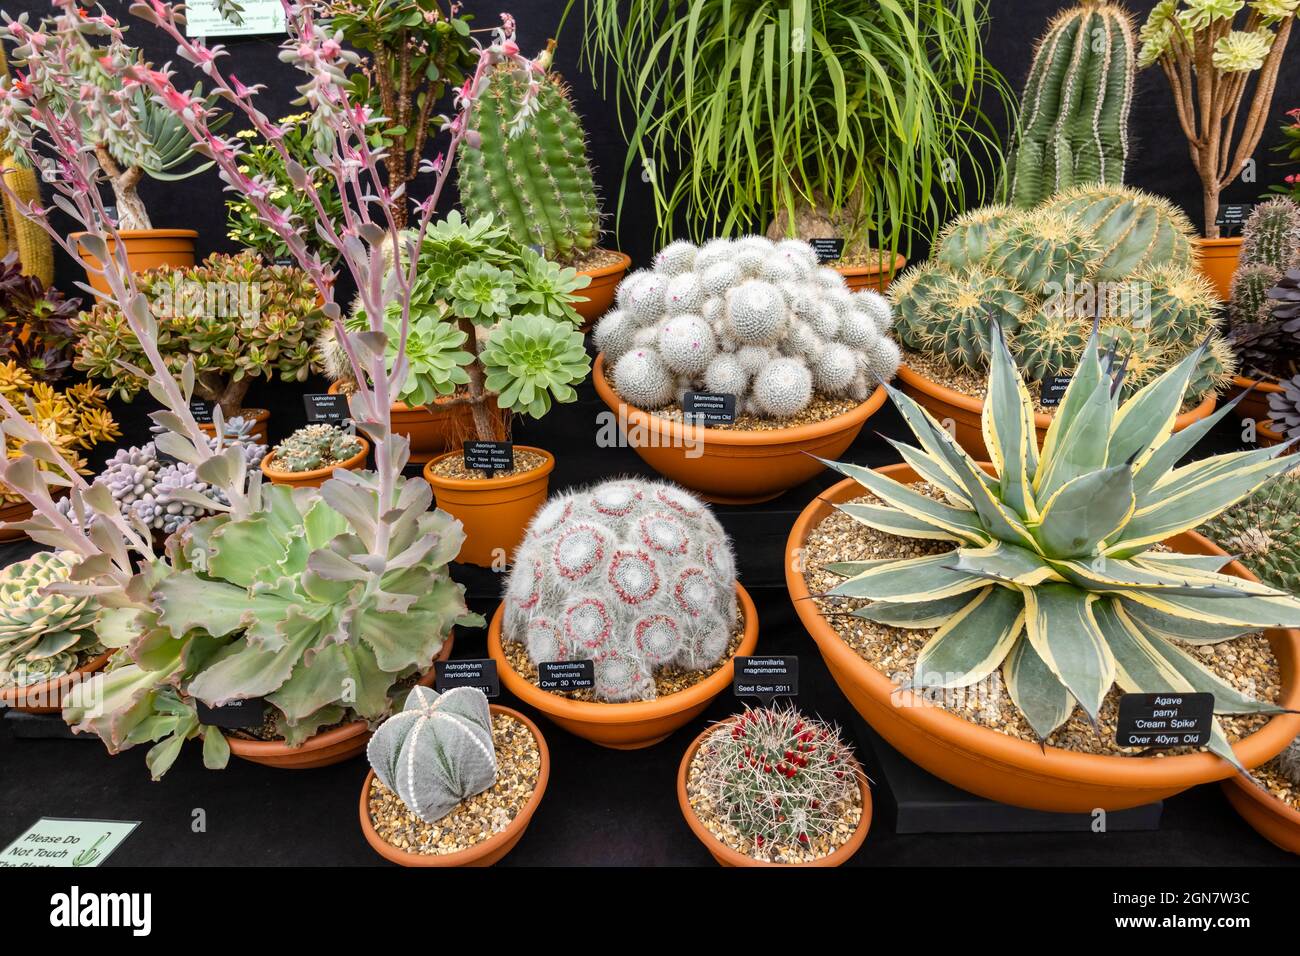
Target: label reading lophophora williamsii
{"type": "Point", "coordinates": [324, 407]}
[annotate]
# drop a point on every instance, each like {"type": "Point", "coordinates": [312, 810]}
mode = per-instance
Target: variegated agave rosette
{"type": "Point", "coordinates": [1053, 576]}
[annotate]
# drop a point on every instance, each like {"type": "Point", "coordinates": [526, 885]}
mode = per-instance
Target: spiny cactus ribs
{"type": "Point", "coordinates": [777, 776]}
{"type": "Point", "coordinates": [1264, 531]}
{"type": "Point", "coordinates": [749, 317]}
{"type": "Point", "coordinates": [1264, 307]}
{"type": "Point", "coordinates": [633, 575]}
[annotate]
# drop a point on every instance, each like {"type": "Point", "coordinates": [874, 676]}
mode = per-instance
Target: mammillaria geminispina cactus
{"type": "Point", "coordinates": [633, 575]}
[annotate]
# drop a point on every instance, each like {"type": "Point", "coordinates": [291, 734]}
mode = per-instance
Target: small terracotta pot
{"type": "Point", "coordinates": [145, 249]}
{"type": "Point", "coordinates": [47, 696]}
{"type": "Point", "coordinates": [735, 467]}
{"type": "Point", "coordinates": [323, 749]}
{"type": "Point", "coordinates": [1003, 768]}
{"type": "Point", "coordinates": [18, 511]}
{"type": "Point", "coordinates": [433, 432]}
{"type": "Point", "coordinates": [629, 726]}
{"type": "Point", "coordinates": [1254, 407]}
{"type": "Point", "coordinates": [599, 295]}
{"type": "Point", "coordinates": [316, 476]}
{"type": "Point", "coordinates": [1272, 819]}
{"type": "Point", "coordinates": [260, 418]}
{"type": "Point", "coordinates": [493, 511]}
{"type": "Point", "coordinates": [726, 856]}
{"type": "Point", "coordinates": [875, 276]}
{"type": "Point", "coordinates": [1217, 259]}
{"type": "Point", "coordinates": [964, 410]}
{"type": "Point", "coordinates": [483, 854]}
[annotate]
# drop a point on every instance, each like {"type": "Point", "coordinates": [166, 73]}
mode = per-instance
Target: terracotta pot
{"type": "Point", "coordinates": [735, 467]}
{"type": "Point", "coordinates": [323, 749]}
{"type": "Point", "coordinates": [260, 418]}
{"type": "Point", "coordinates": [599, 295]}
{"type": "Point", "coordinates": [316, 476]}
{"type": "Point", "coordinates": [726, 856]}
{"type": "Point", "coordinates": [433, 432]}
{"type": "Point", "coordinates": [1217, 260]}
{"type": "Point", "coordinates": [632, 725]}
{"type": "Point", "coordinates": [964, 411]}
{"type": "Point", "coordinates": [1272, 819]}
{"type": "Point", "coordinates": [1020, 772]}
{"type": "Point", "coordinates": [47, 696]}
{"type": "Point", "coordinates": [1254, 407]}
{"type": "Point", "coordinates": [875, 276]}
{"type": "Point", "coordinates": [483, 854]}
{"type": "Point", "coordinates": [145, 249]}
{"type": "Point", "coordinates": [493, 511]}
{"type": "Point", "coordinates": [18, 511]}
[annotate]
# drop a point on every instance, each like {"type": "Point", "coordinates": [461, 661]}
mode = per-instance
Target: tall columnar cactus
{"type": "Point", "coordinates": [17, 232]}
{"type": "Point", "coordinates": [633, 575]}
{"type": "Point", "coordinates": [1074, 112]}
{"type": "Point", "coordinates": [535, 174]}
{"type": "Point", "coordinates": [752, 318]}
{"type": "Point", "coordinates": [437, 751]}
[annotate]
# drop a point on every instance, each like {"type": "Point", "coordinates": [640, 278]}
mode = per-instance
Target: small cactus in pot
{"type": "Point", "coordinates": [313, 448]}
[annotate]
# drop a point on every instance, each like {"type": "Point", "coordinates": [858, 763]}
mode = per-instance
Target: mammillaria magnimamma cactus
{"type": "Point", "coordinates": [43, 634]}
{"type": "Point", "coordinates": [436, 751]}
{"type": "Point", "coordinates": [634, 575]}
{"type": "Point", "coordinates": [313, 447]}
{"type": "Point", "coordinates": [750, 317]}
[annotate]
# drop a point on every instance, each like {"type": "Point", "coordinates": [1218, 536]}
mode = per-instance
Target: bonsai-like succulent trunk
{"type": "Point", "coordinates": [484, 427]}
{"type": "Point", "coordinates": [400, 101]}
{"type": "Point", "coordinates": [229, 394]}
{"type": "Point", "coordinates": [131, 213]}
{"type": "Point", "coordinates": [819, 220]}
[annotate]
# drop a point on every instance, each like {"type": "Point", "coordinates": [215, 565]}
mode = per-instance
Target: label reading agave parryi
{"type": "Point", "coordinates": [828, 250]}
{"type": "Point", "coordinates": [1053, 390]}
{"type": "Point", "coordinates": [489, 455]}
{"type": "Point", "coordinates": [766, 678]}
{"type": "Point", "coordinates": [709, 408]}
{"type": "Point", "coordinates": [245, 713]}
{"type": "Point", "coordinates": [476, 672]}
{"type": "Point", "coordinates": [566, 675]}
{"type": "Point", "coordinates": [324, 407]}
{"type": "Point", "coordinates": [1169, 719]}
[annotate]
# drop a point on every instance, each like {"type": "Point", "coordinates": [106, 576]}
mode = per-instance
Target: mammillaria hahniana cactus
{"type": "Point", "coordinates": [750, 317]}
{"type": "Point", "coordinates": [631, 574]}
{"type": "Point", "coordinates": [41, 632]}
{"type": "Point", "coordinates": [437, 751]}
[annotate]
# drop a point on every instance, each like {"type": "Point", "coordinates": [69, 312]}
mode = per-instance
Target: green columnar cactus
{"type": "Point", "coordinates": [1074, 113]}
{"type": "Point", "coordinates": [1263, 320]}
{"type": "Point", "coordinates": [1134, 229]}
{"type": "Point", "coordinates": [1272, 234]}
{"type": "Point", "coordinates": [1264, 530]}
{"type": "Point", "coordinates": [1248, 297]}
{"type": "Point", "coordinates": [535, 177]}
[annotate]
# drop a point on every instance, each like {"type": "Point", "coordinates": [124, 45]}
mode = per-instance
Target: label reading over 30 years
{"type": "Point", "coordinates": [324, 407]}
{"type": "Point", "coordinates": [489, 455]}
{"type": "Point", "coordinates": [248, 712]}
{"type": "Point", "coordinates": [1053, 390]}
{"type": "Point", "coordinates": [709, 408]}
{"type": "Point", "coordinates": [476, 672]}
{"type": "Point", "coordinates": [828, 250]}
{"type": "Point", "coordinates": [566, 675]}
{"type": "Point", "coordinates": [766, 677]}
{"type": "Point", "coordinates": [1169, 719]}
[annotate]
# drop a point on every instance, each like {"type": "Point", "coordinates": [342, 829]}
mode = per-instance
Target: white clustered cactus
{"type": "Point", "coordinates": [634, 575]}
{"type": "Point", "coordinates": [749, 317]}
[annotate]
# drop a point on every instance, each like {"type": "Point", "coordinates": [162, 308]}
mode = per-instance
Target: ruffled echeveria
{"type": "Point", "coordinates": [43, 633]}
{"type": "Point", "coordinates": [530, 359]}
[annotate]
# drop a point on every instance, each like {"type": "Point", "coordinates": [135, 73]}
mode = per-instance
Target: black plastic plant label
{"type": "Point", "coordinates": [489, 455]}
{"type": "Point", "coordinates": [828, 250]}
{"type": "Point", "coordinates": [201, 410]}
{"type": "Point", "coordinates": [249, 712]}
{"type": "Point", "coordinates": [1053, 390]}
{"type": "Point", "coordinates": [766, 678]}
{"type": "Point", "coordinates": [566, 675]}
{"type": "Point", "coordinates": [1169, 719]}
{"type": "Point", "coordinates": [475, 672]}
{"type": "Point", "coordinates": [1234, 214]}
{"type": "Point", "coordinates": [324, 407]}
{"type": "Point", "coordinates": [709, 408]}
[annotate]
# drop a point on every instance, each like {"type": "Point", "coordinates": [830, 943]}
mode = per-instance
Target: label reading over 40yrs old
{"type": "Point", "coordinates": [766, 678]}
{"type": "Point", "coordinates": [1053, 390]}
{"type": "Point", "coordinates": [476, 672]}
{"type": "Point", "coordinates": [566, 675]}
{"type": "Point", "coordinates": [1169, 719]}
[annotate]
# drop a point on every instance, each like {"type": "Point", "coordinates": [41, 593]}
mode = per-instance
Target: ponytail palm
{"type": "Point", "coordinates": [1053, 576]}
{"type": "Point", "coordinates": [746, 110]}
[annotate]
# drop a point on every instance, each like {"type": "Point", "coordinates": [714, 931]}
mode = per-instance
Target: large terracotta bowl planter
{"type": "Point", "coordinates": [493, 511]}
{"type": "Point", "coordinates": [1217, 259]}
{"type": "Point", "coordinates": [1254, 407]}
{"type": "Point", "coordinates": [17, 511]}
{"type": "Point", "coordinates": [316, 476]}
{"type": "Point", "coordinates": [323, 749]}
{"type": "Point", "coordinates": [145, 249]}
{"type": "Point", "coordinates": [735, 467]}
{"type": "Point", "coordinates": [633, 725]}
{"type": "Point", "coordinates": [964, 410]}
{"type": "Point", "coordinates": [432, 431]}
{"type": "Point", "coordinates": [875, 276]}
{"type": "Point", "coordinates": [1003, 768]}
{"type": "Point", "coordinates": [1271, 818]}
{"type": "Point", "coordinates": [483, 854]}
{"type": "Point", "coordinates": [261, 418]}
{"type": "Point", "coordinates": [726, 856]}
{"type": "Point", "coordinates": [599, 294]}
{"type": "Point", "coordinates": [47, 697]}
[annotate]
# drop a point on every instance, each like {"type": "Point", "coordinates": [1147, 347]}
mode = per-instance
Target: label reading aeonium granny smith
{"type": "Point", "coordinates": [57, 841]}
{"type": "Point", "coordinates": [1167, 719]}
